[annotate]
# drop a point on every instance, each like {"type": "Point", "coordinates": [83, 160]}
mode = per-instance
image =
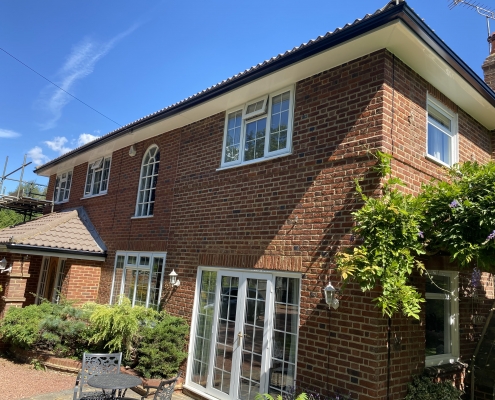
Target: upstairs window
{"type": "Point", "coordinates": [442, 318]}
{"type": "Point", "coordinates": [442, 134]}
{"type": "Point", "coordinates": [97, 177]}
{"type": "Point", "coordinates": [259, 129]}
{"type": "Point", "coordinates": [62, 187]}
{"type": "Point", "coordinates": [147, 182]}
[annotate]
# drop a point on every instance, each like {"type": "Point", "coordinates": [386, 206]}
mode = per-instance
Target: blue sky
{"type": "Point", "coordinates": [128, 59]}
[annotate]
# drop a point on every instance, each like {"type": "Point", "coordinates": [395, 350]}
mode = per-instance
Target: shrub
{"type": "Point", "coordinates": [116, 326]}
{"type": "Point", "coordinates": [160, 350]}
{"type": "Point", "coordinates": [423, 388]}
{"type": "Point", "coordinates": [21, 326]}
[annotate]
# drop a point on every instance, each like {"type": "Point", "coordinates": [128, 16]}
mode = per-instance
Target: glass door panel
{"type": "Point", "coordinates": [226, 334]}
{"type": "Point", "coordinates": [142, 281]}
{"type": "Point", "coordinates": [253, 339]}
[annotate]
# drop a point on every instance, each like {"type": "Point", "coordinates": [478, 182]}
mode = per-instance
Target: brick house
{"type": "Point", "coordinates": [250, 218]}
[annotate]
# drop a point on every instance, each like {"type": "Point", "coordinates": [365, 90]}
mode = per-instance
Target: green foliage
{"type": "Point", "coordinates": [456, 216]}
{"type": "Point", "coordinates": [460, 214]}
{"type": "Point", "coordinates": [64, 331]}
{"type": "Point", "coordinates": [115, 326]}
{"type": "Point", "coordinates": [157, 339]}
{"type": "Point", "coordinates": [388, 227]}
{"type": "Point", "coordinates": [9, 218]}
{"type": "Point", "coordinates": [160, 350]}
{"type": "Point", "coordinates": [21, 326]}
{"type": "Point", "coordinates": [266, 396]}
{"type": "Point", "coordinates": [423, 388]}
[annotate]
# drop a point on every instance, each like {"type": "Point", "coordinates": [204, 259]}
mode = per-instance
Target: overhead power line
{"type": "Point", "coordinates": [63, 90]}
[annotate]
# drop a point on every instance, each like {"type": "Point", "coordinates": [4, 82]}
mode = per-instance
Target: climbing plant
{"type": "Point", "coordinates": [455, 216]}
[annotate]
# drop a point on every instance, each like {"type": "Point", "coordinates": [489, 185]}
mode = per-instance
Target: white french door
{"type": "Point", "coordinates": [237, 349]}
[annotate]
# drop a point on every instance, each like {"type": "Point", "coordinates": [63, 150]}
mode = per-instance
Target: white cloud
{"type": "Point", "coordinates": [8, 134]}
{"type": "Point", "coordinates": [36, 154]}
{"type": "Point", "coordinates": [85, 138]}
{"type": "Point", "coordinates": [80, 63]}
{"type": "Point", "coordinates": [58, 144]}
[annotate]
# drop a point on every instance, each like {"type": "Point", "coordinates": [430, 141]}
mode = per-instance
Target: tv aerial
{"type": "Point", "coordinates": [482, 10]}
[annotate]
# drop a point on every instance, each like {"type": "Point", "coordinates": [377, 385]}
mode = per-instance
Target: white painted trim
{"type": "Point", "coordinates": [454, 355]}
{"type": "Point", "coordinates": [54, 254]}
{"type": "Point", "coordinates": [246, 119]}
{"type": "Point", "coordinates": [102, 167]}
{"type": "Point", "coordinates": [454, 131]}
{"type": "Point", "coordinates": [268, 275]}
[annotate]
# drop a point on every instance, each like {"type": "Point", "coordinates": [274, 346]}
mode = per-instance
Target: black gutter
{"type": "Point", "coordinates": [21, 247]}
{"type": "Point", "coordinates": [401, 11]}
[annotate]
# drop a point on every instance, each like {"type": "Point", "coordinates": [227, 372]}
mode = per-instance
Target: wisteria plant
{"type": "Point", "coordinates": [455, 216]}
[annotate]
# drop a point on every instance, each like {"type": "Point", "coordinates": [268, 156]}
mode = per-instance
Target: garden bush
{"type": "Point", "coordinates": [423, 388]}
{"type": "Point", "coordinates": [21, 326]}
{"type": "Point", "coordinates": [152, 342]}
{"type": "Point", "coordinates": [116, 326]}
{"type": "Point", "coordinates": [160, 349]}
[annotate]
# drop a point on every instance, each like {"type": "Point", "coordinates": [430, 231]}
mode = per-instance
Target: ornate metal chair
{"type": "Point", "coordinates": [164, 390]}
{"type": "Point", "coordinates": [95, 364]}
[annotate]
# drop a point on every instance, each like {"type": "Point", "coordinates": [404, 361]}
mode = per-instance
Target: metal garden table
{"type": "Point", "coordinates": [117, 383]}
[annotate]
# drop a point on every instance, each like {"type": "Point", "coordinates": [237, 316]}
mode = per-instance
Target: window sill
{"type": "Point", "coordinates": [141, 217]}
{"type": "Point", "coordinates": [437, 161]}
{"type": "Point", "coordinates": [94, 195]}
{"type": "Point", "coordinates": [440, 361]}
{"type": "Point", "coordinates": [445, 368]}
{"type": "Point", "coordinates": [60, 202]}
{"type": "Point", "coordinates": [257, 161]}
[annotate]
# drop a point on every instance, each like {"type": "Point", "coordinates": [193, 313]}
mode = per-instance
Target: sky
{"type": "Point", "coordinates": [124, 59]}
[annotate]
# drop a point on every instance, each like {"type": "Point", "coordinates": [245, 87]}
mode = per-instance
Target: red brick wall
{"type": "Point", "coordinates": [82, 281]}
{"type": "Point", "coordinates": [290, 213]}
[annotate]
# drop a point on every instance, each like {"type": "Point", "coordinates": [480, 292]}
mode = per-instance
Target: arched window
{"type": "Point", "coordinates": [147, 182]}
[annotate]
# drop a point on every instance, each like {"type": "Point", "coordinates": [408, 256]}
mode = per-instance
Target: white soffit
{"type": "Point", "coordinates": [395, 36]}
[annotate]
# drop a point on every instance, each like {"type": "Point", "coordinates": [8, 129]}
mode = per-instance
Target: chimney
{"type": "Point", "coordinates": [489, 64]}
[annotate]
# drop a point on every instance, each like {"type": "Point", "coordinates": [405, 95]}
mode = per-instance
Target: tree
{"type": "Point", "coordinates": [455, 216]}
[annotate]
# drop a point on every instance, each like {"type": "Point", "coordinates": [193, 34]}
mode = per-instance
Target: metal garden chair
{"type": "Point", "coordinates": [164, 390]}
{"type": "Point", "coordinates": [95, 364]}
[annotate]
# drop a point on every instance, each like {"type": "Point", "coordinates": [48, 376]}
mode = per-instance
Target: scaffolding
{"type": "Point", "coordinates": [25, 202]}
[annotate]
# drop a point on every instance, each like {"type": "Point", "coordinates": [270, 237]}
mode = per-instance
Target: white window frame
{"type": "Point", "coordinates": [143, 186]}
{"type": "Point", "coordinates": [127, 266]}
{"type": "Point", "coordinates": [59, 180]}
{"type": "Point", "coordinates": [268, 355]}
{"type": "Point", "coordinates": [264, 112]}
{"type": "Point", "coordinates": [453, 133]}
{"type": "Point", "coordinates": [453, 318]}
{"type": "Point", "coordinates": [93, 168]}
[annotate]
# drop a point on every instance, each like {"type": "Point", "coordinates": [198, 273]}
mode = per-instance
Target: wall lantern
{"type": "Point", "coordinates": [331, 296]}
{"type": "Point", "coordinates": [3, 266]}
{"type": "Point", "coordinates": [173, 278]}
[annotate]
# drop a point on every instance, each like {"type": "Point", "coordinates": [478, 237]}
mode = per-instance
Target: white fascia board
{"type": "Point", "coordinates": [395, 37]}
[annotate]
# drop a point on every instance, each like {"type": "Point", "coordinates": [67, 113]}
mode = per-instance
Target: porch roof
{"type": "Point", "coordinates": [68, 231]}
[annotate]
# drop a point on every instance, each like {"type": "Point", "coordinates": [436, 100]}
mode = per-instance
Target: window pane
{"type": "Point", "coordinates": [440, 284]}
{"type": "Point", "coordinates": [233, 139]}
{"type": "Point", "coordinates": [286, 324]}
{"type": "Point", "coordinates": [437, 330]}
{"type": "Point", "coordinates": [255, 140]}
{"type": "Point", "coordinates": [279, 122]}
{"type": "Point", "coordinates": [89, 181]}
{"type": "Point", "coordinates": [438, 118]}
{"type": "Point", "coordinates": [117, 279]}
{"type": "Point", "coordinates": [204, 321]}
{"type": "Point", "coordinates": [147, 182]}
{"type": "Point", "coordinates": [439, 144]}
